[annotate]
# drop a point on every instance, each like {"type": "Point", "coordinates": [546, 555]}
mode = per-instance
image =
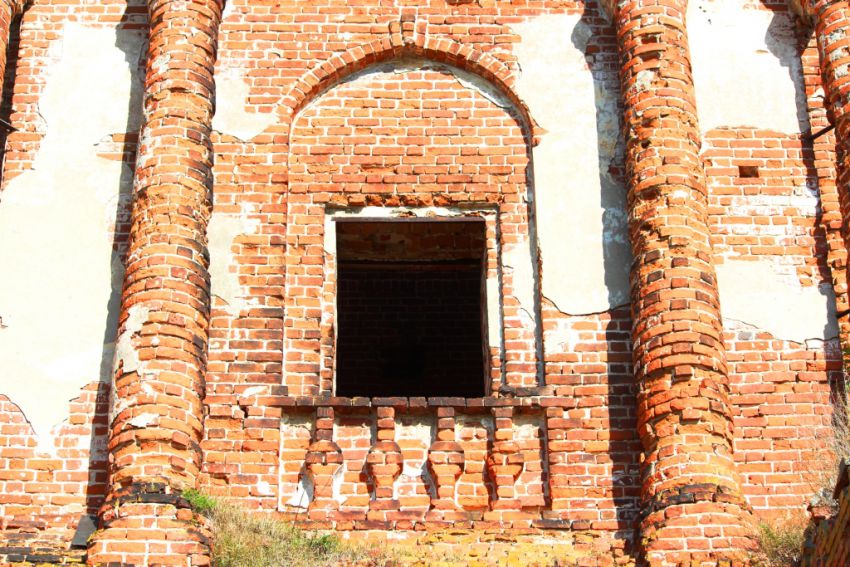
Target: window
{"type": "Point", "coordinates": [411, 307]}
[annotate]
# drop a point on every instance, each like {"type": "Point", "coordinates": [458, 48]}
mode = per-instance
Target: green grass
{"type": "Point", "coordinates": [242, 539]}
{"type": "Point", "coordinates": [780, 540]}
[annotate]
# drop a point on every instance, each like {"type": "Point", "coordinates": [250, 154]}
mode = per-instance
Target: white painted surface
{"type": "Point", "coordinates": [60, 287]}
{"type": "Point", "coordinates": [746, 67]}
{"type": "Point", "coordinates": [231, 114]}
{"type": "Point", "coordinates": [222, 231]}
{"type": "Point", "coordinates": [752, 292]}
{"type": "Point", "coordinates": [580, 207]}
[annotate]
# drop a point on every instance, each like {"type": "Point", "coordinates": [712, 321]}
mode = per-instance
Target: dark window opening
{"type": "Point", "coordinates": [410, 304]}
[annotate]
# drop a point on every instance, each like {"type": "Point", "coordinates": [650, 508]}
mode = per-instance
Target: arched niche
{"type": "Point", "coordinates": [411, 140]}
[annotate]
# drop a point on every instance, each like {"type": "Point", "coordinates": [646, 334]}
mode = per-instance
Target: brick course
{"type": "Point", "coordinates": [395, 105]}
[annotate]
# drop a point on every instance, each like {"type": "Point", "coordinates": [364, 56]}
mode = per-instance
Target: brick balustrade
{"type": "Point", "coordinates": [684, 414]}
{"type": "Point", "coordinates": [156, 416]}
{"type": "Point", "coordinates": [482, 461]}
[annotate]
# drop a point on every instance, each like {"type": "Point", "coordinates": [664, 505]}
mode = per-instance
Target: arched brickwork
{"type": "Point", "coordinates": [419, 134]}
{"type": "Point", "coordinates": [398, 45]}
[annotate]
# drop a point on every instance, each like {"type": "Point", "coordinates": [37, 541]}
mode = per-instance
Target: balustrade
{"type": "Point", "coordinates": [392, 462]}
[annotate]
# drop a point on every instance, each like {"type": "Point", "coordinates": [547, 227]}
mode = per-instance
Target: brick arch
{"type": "Point", "coordinates": [440, 50]}
{"type": "Point", "coordinates": [480, 148]}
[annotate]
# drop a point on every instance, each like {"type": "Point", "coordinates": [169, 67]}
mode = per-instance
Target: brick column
{"type": "Point", "coordinates": [692, 505]}
{"type": "Point", "coordinates": [831, 22]}
{"type": "Point", "coordinates": [8, 10]}
{"type": "Point", "coordinates": [156, 418]}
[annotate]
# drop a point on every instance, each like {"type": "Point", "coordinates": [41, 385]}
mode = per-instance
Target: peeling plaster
{"type": "Point", "coordinates": [300, 493]}
{"type": "Point", "coordinates": [753, 293]}
{"type": "Point", "coordinates": [303, 492]}
{"type": "Point", "coordinates": [222, 231]}
{"type": "Point", "coordinates": [746, 67]}
{"type": "Point", "coordinates": [56, 223]}
{"type": "Point", "coordinates": [263, 488]}
{"type": "Point", "coordinates": [144, 420]}
{"type": "Point", "coordinates": [127, 356]}
{"type": "Point", "coordinates": [421, 430]}
{"type": "Point", "coordinates": [526, 427]}
{"type": "Point", "coordinates": [231, 97]}
{"type": "Point", "coordinates": [581, 219]}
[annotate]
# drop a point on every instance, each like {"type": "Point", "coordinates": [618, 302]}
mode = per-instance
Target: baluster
{"type": "Point", "coordinates": [445, 462]}
{"type": "Point", "coordinates": [384, 464]}
{"type": "Point", "coordinates": [504, 463]}
{"type": "Point", "coordinates": [556, 451]}
{"type": "Point", "coordinates": [324, 459]}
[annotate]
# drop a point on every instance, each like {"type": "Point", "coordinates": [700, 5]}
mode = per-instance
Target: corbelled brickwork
{"type": "Point", "coordinates": [637, 408]}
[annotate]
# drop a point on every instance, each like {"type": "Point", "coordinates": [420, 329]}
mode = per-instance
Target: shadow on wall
{"type": "Point", "coordinates": [602, 60]}
{"type": "Point", "coordinates": [126, 40]}
{"type": "Point", "coordinates": [782, 37]}
{"type": "Point", "coordinates": [782, 29]}
{"type": "Point", "coordinates": [625, 447]}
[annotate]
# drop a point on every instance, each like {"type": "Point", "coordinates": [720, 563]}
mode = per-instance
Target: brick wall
{"type": "Point", "coordinates": [828, 542]}
{"type": "Point", "coordinates": [426, 117]}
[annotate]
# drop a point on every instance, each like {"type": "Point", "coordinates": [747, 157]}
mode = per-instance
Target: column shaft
{"type": "Point", "coordinates": [156, 419]}
{"type": "Point", "coordinates": [690, 490]}
{"type": "Point", "coordinates": [8, 10]}
{"type": "Point", "coordinates": [832, 32]}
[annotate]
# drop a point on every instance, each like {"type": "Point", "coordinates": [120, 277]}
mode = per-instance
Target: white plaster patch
{"type": "Point", "coordinates": [746, 67]}
{"type": "Point", "coordinates": [231, 97]}
{"type": "Point", "coordinates": [494, 313]}
{"type": "Point", "coordinates": [517, 258]}
{"type": "Point", "coordinates": [336, 484]}
{"type": "Point", "coordinates": [253, 391]}
{"type": "Point", "coordinates": [143, 420]}
{"type": "Point", "coordinates": [263, 488]}
{"type": "Point", "coordinates": [581, 222]}
{"type": "Point", "coordinates": [60, 302]}
{"type": "Point", "coordinates": [526, 427]}
{"type": "Point", "coordinates": [125, 352]}
{"type": "Point", "coordinates": [223, 229]}
{"type": "Point", "coordinates": [753, 293]}
{"type": "Point", "coordinates": [303, 493]}
{"type": "Point", "coordinates": [421, 431]}
{"type": "Point", "coordinates": [560, 336]}
{"type": "Point", "coordinates": [298, 493]}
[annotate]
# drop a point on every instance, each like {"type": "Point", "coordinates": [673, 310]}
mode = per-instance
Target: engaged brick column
{"type": "Point", "coordinates": [692, 504]}
{"type": "Point", "coordinates": [831, 21]}
{"type": "Point", "coordinates": [8, 10]}
{"type": "Point", "coordinates": [156, 415]}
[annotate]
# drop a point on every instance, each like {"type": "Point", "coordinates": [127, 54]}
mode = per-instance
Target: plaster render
{"type": "Point", "coordinates": [63, 292]}
{"type": "Point", "coordinates": [231, 116]}
{"type": "Point", "coordinates": [738, 57]}
{"type": "Point", "coordinates": [222, 231]}
{"type": "Point", "coordinates": [294, 428]}
{"type": "Point", "coordinates": [581, 221]}
{"type": "Point", "coordinates": [752, 292]}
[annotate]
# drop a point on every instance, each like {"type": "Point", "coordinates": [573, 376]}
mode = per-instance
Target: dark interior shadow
{"type": "Point", "coordinates": [625, 446]}
{"type": "Point", "coordinates": [127, 39]}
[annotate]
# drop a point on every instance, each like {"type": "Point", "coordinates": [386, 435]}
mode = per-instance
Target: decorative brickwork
{"type": "Point", "coordinates": [630, 433]}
